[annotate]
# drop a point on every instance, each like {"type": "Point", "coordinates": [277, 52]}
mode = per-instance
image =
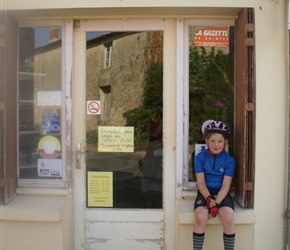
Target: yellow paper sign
{"type": "Point", "coordinates": [116, 139]}
{"type": "Point", "coordinates": [100, 189]}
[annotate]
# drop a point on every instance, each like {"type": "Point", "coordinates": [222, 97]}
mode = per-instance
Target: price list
{"type": "Point", "coordinates": [100, 189]}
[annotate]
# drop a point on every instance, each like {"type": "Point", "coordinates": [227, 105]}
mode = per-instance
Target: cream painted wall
{"type": "Point", "coordinates": [271, 123]}
{"type": "Point", "coordinates": [35, 4]}
{"type": "Point", "coordinates": [32, 235]}
{"type": "Point", "coordinates": [34, 222]}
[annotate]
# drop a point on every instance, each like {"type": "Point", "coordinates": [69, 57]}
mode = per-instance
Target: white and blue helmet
{"type": "Point", "coordinates": [216, 126]}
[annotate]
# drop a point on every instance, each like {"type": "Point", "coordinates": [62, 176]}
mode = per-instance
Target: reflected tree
{"type": "Point", "coordinates": [141, 117]}
{"type": "Point", "coordinates": [210, 93]}
{"type": "Point", "coordinates": [210, 90]}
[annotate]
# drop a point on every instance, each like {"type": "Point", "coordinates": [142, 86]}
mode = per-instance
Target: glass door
{"type": "Point", "coordinates": [124, 86]}
{"type": "Point", "coordinates": [118, 134]}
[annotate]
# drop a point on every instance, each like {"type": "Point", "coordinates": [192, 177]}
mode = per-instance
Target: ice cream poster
{"type": "Point", "coordinates": [49, 151]}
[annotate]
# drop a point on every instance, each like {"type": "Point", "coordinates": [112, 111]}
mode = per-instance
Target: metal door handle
{"type": "Point", "coordinates": [78, 153]}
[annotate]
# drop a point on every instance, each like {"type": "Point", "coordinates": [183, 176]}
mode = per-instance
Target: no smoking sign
{"type": "Point", "coordinates": [93, 107]}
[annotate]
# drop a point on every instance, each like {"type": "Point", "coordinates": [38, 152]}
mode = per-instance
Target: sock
{"type": "Point", "coordinates": [229, 241]}
{"type": "Point", "coordinates": [198, 241]}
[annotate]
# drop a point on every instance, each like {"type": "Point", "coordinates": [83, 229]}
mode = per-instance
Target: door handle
{"type": "Point", "coordinates": [78, 153]}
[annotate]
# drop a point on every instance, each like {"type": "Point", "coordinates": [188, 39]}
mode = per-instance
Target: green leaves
{"type": "Point", "coordinates": [153, 98]}
{"type": "Point", "coordinates": [210, 93]}
{"type": "Point", "coordinates": [210, 90]}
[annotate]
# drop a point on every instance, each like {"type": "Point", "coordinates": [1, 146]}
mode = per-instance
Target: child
{"type": "Point", "coordinates": [214, 172]}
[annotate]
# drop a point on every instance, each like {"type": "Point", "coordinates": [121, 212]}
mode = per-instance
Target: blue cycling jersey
{"type": "Point", "coordinates": [214, 167]}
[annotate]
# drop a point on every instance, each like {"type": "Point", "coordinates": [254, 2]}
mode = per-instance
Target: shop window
{"type": "Point", "coordinates": [39, 103]}
{"type": "Point", "coordinates": [221, 87]}
{"type": "Point", "coordinates": [211, 91]}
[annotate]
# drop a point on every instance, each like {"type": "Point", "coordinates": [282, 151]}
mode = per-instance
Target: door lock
{"type": "Point", "coordinates": [78, 153]}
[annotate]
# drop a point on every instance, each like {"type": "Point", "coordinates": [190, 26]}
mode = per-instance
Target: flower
{"type": "Point", "coordinates": [219, 105]}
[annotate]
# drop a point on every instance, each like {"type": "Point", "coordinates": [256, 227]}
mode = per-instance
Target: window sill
{"type": "Point", "coordinates": [41, 191]}
{"type": "Point", "coordinates": [49, 208]}
{"type": "Point", "coordinates": [242, 215]}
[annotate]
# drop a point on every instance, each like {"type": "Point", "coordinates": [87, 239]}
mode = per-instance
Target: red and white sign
{"type": "Point", "coordinates": [93, 107]}
{"type": "Point", "coordinates": [212, 36]}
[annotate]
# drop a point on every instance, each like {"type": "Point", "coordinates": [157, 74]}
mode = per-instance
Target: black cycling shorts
{"type": "Point", "coordinates": [200, 201]}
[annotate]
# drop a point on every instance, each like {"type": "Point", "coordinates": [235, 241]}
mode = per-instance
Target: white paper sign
{"type": "Point", "coordinates": [49, 167]}
{"type": "Point", "coordinates": [116, 139]}
{"type": "Point", "coordinates": [48, 98]}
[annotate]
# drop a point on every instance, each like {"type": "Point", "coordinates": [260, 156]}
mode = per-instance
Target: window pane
{"type": "Point", "coordinates": [39, 103]}
{"type": "Point", "coordinates": [124, 116]}
{"type": "Point", "coordinates": [211, 90]}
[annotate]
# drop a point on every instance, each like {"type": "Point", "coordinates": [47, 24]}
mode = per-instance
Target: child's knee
{"type": "Point", "coordinates": [227, 217]}
{"type": "Point", "coordinates": [201, 218]}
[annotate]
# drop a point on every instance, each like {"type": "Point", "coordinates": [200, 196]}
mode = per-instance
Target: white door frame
{"type": "Point", "coordinates": [168, 214]}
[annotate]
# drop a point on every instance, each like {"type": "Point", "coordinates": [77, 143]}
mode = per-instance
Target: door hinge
{"type": "Point", "coordinates": [2, 105]}
{"type": "Point", "coordinates": [249, 106]}
{"type": "Point", "coordinates": [2, 43]}
{"type": "Point", "coordinates": [77, 24]}
{"type": "Point", "coordinates": [250, 41]}
{"type": "Point", "coordinates": [248, 186]}
{"type": "Point", "coordinates": [250, 27]}
{"type": "Point", "coordinates": [2, 33]}
{"type": "Point", "coordinates": [2, 182]}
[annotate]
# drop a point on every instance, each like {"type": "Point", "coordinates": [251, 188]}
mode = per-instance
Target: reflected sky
{"type": "Point", "coordinates": [91, 35]}
{"type": "Point", "coordinates": [42, 35]}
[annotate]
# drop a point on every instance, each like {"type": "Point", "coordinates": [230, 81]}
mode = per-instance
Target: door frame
{"type": "Point", "coordinates": [168, 213]}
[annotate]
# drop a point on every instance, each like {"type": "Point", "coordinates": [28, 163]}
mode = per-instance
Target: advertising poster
{"type": "Point", "coordinates": [115, 139]}
{"type": "Point", "coordinates": [213, 37]}
{"type": "Point", "coordinates": [49, 150]}
{"type": "Point", "coordinates": [50, 120]}
{"type": "Point", "coordinates": [100, 189]}
{"type": "Point", "coordinates": [49, 167]}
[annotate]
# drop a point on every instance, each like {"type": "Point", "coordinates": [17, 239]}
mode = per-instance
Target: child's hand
{"type": "Point", "coordinates": [210, 202]}
{"type": "Point", "coordinates": [213, 212]}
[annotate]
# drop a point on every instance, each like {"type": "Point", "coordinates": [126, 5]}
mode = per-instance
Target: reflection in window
{"type": "Point", "coordinates": [105, 98]}
{"type": "Point", "coordinates": [108, 55]}
{"type": "Point", "coordinates": [211, 90]}
{"type": "Point", "coordinates": [130, 96]}
{"type": "Point", "coordinates": [39, 103]}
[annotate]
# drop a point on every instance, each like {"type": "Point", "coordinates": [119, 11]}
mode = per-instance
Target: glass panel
{"type": "Point", "coordinates": [39, 103]}
{"type": "Point", "coordinates": [211, 89]}
{"type": "Point", "coordinates": [124, 114]}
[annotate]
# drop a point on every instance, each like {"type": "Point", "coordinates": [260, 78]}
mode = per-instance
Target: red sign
{"type": "Point", "coordinates": [93, 107]}
{"type": "Point", "coordinates": [212, 36]}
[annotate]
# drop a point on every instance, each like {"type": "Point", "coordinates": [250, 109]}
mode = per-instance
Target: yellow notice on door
{"type": "Point", "coordinates": [115, 139]}
{"type": "Point", "coordinates": [100, 189]}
